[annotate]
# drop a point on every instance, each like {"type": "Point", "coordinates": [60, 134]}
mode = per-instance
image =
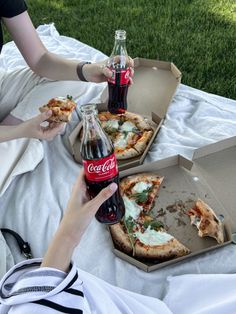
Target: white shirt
{"type": "Point", "coordinates": [27, 288]}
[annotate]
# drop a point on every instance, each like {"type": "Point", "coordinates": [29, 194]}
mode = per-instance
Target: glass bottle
{"type": "Point", "coordinates": [118, 84]}
{"type": "Point", "coordinates": [100, 166]}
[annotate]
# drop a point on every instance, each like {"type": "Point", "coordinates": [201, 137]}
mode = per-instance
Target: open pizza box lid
{"type": "Point", "coordinates": [155, 83]}
{"type": "Point", "coordinates": [217, 164]}
{"type": "Point", "coordinates": [210, 177]}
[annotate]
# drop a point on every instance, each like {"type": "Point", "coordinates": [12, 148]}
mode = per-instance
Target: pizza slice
{"type": "Point", "coordinates": [130, 144]}
{"type": "Point", "coordinates": [158, 244]}
{"type": "Point", "coordinates": [139, 192]}
{"type": "Point", "coordinates": [139, 234]}
{"type": "Point", "coordinates": [129, 132]}
{"type": "Point", "coordinates": [206, 221]}
{"type": "Point", "coordinates": [148, 241]}
{"type": "Point", "coordinates": [61, 108]}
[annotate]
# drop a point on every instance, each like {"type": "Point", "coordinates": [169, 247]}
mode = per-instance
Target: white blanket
{"type": "Point", "coordinates": [34, 202]}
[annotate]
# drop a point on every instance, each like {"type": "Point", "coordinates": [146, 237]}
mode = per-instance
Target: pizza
{"type": "Point", "coordinates": [138, 234]}
{"type": "Point", "coordinates": [61, 107]}
{"type": "Point", "coordinates": [206, 221]}
{"type": "Point", "coordinates": [129, 132]}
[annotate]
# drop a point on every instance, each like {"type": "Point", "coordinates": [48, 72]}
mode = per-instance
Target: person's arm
{"type": "Point", "coordinates": [77, 217]}
{"type": "Point", "coordinates": [57, 277]}
{"type": "Point", "coordinates": [45, 63]}
{"type": "Point", "coordinates": [31, 128]}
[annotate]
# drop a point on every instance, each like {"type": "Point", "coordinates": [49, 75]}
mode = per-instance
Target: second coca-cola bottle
{"type": "Point", "coordinates": [118, 84]}
{"type": "Point", "coordinates": [100, 166]}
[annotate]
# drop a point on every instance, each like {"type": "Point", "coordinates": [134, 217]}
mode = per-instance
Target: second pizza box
{"type": "Point", "coordinates": [155, 83]}
{"type": "Point", "coordinates": [210, 177]}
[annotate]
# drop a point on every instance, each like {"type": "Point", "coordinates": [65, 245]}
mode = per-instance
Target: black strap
{"type": "Point", "coordinates": [24, 246]}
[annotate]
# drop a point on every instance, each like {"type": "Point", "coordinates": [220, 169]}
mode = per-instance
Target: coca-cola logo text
{"type": "Point", "coordinates": [102, 168]}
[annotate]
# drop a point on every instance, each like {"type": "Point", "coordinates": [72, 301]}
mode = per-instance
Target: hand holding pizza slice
{"type": "Point", "coordinates": [61, 108]}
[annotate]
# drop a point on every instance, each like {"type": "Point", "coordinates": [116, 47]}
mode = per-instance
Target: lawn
{"type": "Point", "coordinates": [197, 35]}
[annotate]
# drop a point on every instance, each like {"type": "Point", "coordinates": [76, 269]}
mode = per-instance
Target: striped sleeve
{"type": "Point", "coordinates": [27, 288]}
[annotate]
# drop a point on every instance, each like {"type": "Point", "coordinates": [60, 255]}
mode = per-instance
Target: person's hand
{"type": "Point", "coordinates": [32, 128]}
{"type": "Point", "coordinates": [78, 215]}
{"type": "Point", "coordinates": [80, 210]}
{"type": "Point", "coordinates": [99, 72]}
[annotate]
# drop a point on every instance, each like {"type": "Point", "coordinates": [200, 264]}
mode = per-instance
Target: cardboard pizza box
{"type": "Point", "coordinates": [155, 83]}
{"type": "Point", "coordinates": [211, 177]}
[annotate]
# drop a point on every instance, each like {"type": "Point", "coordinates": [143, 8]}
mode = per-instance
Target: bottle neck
{"type": "Point", "coordinates": [119, 48]}
{"type": "Point", "coordinates": [95, 143]}
{"type": "Point", "coordinates": [91, 125]}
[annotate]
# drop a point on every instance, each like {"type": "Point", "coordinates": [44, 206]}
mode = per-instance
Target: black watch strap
{"type": "Point", "coordinates": [80, 70]}
{"type": "Point", "coordinates": [24, 246]}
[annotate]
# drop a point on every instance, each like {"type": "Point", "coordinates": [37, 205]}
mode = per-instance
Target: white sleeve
{"type": "Point", "coordinates": [27, 288]}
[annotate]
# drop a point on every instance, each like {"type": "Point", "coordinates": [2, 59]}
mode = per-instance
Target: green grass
{"type": "Point", "coordinates": [197, 35]}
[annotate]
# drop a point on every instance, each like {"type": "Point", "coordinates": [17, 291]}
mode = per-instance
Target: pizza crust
{"type": "Point", "coordinates": [138, 120]}
{"type": "Point", "coordinates": [121, 238]}
{"type": "Point", "coordinates": [205, 219]}
{"type": "Point", "coordinates": [171, 249]}
{"type": "Point", "coordinates": [141, 144]}
{"type": "Point", "coordinates": [127, 182]}
{"type": "Point", "coordinates": [126, 154]}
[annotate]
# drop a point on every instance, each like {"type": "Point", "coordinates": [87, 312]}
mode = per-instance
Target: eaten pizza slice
{"type": "Point", "coordinates": [139, 234]}
{"type": "Point", "coordinates": [206, 221]}
{"type": "Point", "coordinates": [61, 107]}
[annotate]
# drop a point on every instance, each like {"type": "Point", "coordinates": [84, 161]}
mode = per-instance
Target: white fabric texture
{"type": "Point", "coordinates": [202, 294]}
{"type": "Point", "coordinates": [27, 283]}
{"type": "Point", "coordinates": [33, 203]}
{"type": "Point", "coordinates": [6, 258]}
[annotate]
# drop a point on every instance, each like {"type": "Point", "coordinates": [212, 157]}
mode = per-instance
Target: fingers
{"type": "Point", "coordinates": [44, 116]}
{"type": "Point", "coordinates": [125, 60]}
{"type": "Point", "coordinates": [79, 191]}
{"type": "Point", "coordinates": [50, 132]}
{"type": "Point", "coordinates": [80, 184]}
{"type": "Point", "coordinates": [104, 195]}
{"type": "Point", "coordinates": [131, 72]}
{"type": "Point", "coordinates": [130, 62]}
{"type": "Point", "coordinates": [106, 71]}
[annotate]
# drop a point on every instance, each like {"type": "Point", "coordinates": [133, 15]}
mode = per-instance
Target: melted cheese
{"type": "Point", "coordinates": [111, 124]}
{"type": "Point", "coordinates": [63, 99]}
{"type": "Point", "coordinates": [132, 209]}
{"type": "Point", "coordinates": [140, 187]}
{"type": "Point", "coordinates": [127, 126]}
{"type": "Point", "coordinates": [153, 237]}
{"type": "Point", "coordinates": [122, 140]}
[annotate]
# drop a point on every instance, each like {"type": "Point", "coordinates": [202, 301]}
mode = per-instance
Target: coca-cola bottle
{"type": "Point", "coordinates": [100, 166]}
{"type": "Point", "coordinates": [118, 84]}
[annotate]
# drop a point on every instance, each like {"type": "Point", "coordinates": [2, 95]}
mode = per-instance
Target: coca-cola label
{"type": "Point", "coordinates": [102, 169]}
{"type": "Point", "coordinates": [120, 78]}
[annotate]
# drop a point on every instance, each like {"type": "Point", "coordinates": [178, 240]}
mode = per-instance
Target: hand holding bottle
{"type": "Point", "coordinates": [100, 166]}
{"type": "Point", "coordinates": [101, 72]}
{"type": "Point", "coordinates": [78, 215]}
{"type": "Point", "coordinates": [118, 84]}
